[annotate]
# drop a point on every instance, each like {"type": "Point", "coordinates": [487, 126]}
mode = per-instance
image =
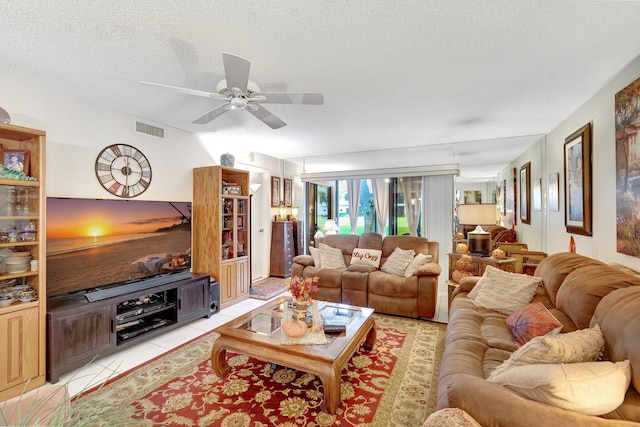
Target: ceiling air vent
{"type": "Point", "coordinates": [149, 130]}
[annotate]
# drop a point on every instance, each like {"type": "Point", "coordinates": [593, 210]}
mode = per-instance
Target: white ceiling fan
{"type": "Point", "coordinates": [241, 93]}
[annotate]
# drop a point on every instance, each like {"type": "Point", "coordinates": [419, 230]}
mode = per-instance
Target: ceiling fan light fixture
{"type": "Point", "coordinates": [237, 103]}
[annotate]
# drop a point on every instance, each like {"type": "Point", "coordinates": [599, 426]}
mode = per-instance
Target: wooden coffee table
{"type": "Point", "coordinates": [258, 334]}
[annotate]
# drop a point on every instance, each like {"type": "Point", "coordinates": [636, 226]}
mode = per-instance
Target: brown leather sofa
{"type": "Point", "coordinates": [580, 292]}
{"type": "Point", "coordinates": [367, 286]}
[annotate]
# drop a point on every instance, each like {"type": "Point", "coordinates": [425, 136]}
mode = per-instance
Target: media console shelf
{"type": "Point", "coordinates": [79, 330]}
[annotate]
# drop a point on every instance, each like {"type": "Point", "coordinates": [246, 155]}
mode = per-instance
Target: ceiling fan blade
{"type": "Point", "coordinates": [292, 98]}
{"type": "Point", "coordinates": [263, 114]}
{"type": "Point", "coordinates": [185, 90]}
{"type": "Point", "coordinates": [216, 112]}
{"type": "Point", "coordinates": [236, 71]}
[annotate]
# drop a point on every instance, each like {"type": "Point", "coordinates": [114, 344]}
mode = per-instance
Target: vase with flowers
{"type": "Point", "coordinates": [301, 288]}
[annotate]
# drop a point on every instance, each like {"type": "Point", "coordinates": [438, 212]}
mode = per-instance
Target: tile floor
{"type": "Point", "coordinates": [122, 361]}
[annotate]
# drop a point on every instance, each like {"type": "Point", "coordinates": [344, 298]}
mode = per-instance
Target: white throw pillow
{"type": "Point", "coordinates": [315, 254]}
{"type": "Point", "coordinates": [398, 261]}
{"type": "Point", "coordinates": [505, 292]}
{"type": "Point", "coordinates": [591, 388]}
{"type": "Point", "coordinates": [366, 256]}
{"type": "Point", "coordinates": [583, 345]}
{"type": "Point", "coordinates": [418, 261]}
{"type": "Point", "coordinates": [331, 257]}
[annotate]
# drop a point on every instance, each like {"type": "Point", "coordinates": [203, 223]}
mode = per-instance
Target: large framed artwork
{"type": "Point", "coordinates": [525, 193]}
{"type": "Point", "coordinates": [577, 181]}
{"type": "Point", "coordinates": [627, 170]}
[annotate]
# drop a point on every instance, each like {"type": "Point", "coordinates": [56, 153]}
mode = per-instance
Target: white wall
{"type": "Point", "coordinates": [77, 131]}
{"type": "Point", "coordinates": [532, 234]}
{"type": "Point", "coordinates": [599, 111]}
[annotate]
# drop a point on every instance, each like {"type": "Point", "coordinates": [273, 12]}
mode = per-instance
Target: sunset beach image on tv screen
{"type": "Point", "coordinates": [93, 242]}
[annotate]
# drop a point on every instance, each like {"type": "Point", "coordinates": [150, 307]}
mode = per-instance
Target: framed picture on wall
{"type": "Point", "coordinates": [554, 191]}
{"type": "Point", "coordinates": [525, 193]}
{"type": "Point", "coordinates": [275, 191]}
{"type": "Point", "coordinates": [537, 195]}
{"type": "Point", "coordinates": [288, 188]}
{"type": "Point", "coordinates": [577, 181]}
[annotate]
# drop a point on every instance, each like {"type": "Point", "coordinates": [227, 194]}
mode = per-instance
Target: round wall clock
{"type": "Point", "coordinates": [123, 170]}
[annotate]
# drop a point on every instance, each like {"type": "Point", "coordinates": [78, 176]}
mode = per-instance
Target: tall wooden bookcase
{"type": "Point", "coordinates": [220, 230]}
{"type": "Point", "coordinates": [23, 324]}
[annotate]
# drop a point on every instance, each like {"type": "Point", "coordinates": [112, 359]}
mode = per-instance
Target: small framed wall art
{"type": "Point", "coordinates": [577, 181]}
{"type": "Point", "coordinates": [288, 188]}
{"type": "Point", "coordinates": [525, 193]}
{"type": "Point", "coordinates": [16, 160]}
{"type": "Point", "coordinates": [275, 191]}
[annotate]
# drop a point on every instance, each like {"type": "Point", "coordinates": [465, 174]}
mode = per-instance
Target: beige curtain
{"type": "Point", "coordinates": [353, 189]}
{"type": "Point", "coordinates": [412, 191]}
{"type": "Point", "coordinates": [380, 188]}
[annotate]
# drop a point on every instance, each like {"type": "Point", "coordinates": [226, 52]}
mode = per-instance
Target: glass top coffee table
{"type": "Point", "coordinates": [258, 334]}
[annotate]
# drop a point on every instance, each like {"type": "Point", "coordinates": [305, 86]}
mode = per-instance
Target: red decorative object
{"type": "Point", "coordinates": [301, 288]}
{"type": "Point", "coordinates": [572, 245]}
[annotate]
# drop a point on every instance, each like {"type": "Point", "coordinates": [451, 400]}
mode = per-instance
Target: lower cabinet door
{"type": "Point", "coordinates": [19, 336]}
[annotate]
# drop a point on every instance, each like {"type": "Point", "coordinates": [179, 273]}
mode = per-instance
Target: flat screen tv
{"type": "Point", "coordinates": [93, 242]}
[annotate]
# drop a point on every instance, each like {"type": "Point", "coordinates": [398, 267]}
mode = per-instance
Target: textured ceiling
{"type": "Point", "coordinates": [393, 73]}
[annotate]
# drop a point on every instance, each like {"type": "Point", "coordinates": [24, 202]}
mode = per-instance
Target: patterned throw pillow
{"type": "Point", "coordinates": [532, 321]}
{"type": "Point", "coordinates": [366, 256]}
{"type": "Point", "coordinates": [331, 257]}
{"type": "Point", "coordinates": [418, 261]}
{"type": "Point", "coordinates": [504, 292]}
{"type": "Point", "coordinates": [398, 261]}
{"type": "Point", "coordinates": [583, 345]}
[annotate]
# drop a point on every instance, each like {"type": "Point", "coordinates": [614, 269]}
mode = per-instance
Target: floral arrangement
{"type": "Point", "coordinates": [300, 287]}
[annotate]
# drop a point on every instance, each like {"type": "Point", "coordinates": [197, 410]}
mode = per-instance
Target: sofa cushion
{"type": "Point", "coordinates": [315, 254]}
{"type": "Point", "coordinates": [398, 261]}
{"type": "Point", "coordinates": [619, 317]}
{"type": "Point", "coordinates": [554, 268]}
{"type": "Point", "coordinates": [584, 287]}
{"type": "Point", "coordinates": [331, 258]}
{"type": "Point", "coordinates": [592, 388]}
{"type": "Point", "coordinates": [418, 261]}
{"type": "Point", "coordinates": [585, 345]}
{"type": "Point", "coordinates": [502, 291]}
{"type": "Point", "coordinates": [366, 256]}
{"type": "Point", "coordinates": [532, 320]}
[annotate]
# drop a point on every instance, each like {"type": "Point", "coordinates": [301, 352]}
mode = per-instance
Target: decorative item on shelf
{"type": "Point", "coordinates": [498, 254]}
{"type": "Point", "coordinates": [464, 268]}
{"type": "Point", "coordinates": [227, 160]}
{"type": "Point", "coordinates": [330, 227]}
{"type": "Point", "coordinates": [4, 116]}
{"type": "Point", "coordinates": [462, 248]}
{"type": "Point", "coordinates": [572, 245]}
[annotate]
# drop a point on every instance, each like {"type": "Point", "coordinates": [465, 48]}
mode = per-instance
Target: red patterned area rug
{"type": "Point", "coordinates": [268, 288]}
{"type": "Point", "coordinates": [393, 385]}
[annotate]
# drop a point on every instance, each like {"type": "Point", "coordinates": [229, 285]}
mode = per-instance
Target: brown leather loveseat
{"type": "Point", "coordinates": [368, 286]}
{"type": "Point", "coordinates": [582, 294]}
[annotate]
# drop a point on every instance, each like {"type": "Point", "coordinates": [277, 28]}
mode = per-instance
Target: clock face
{"type": "Point", "coordinates": [123, 170]}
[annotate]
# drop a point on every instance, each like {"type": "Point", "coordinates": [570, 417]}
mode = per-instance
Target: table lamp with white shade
{"type": "Point", "coordinates": [330, 227]}
{"type": "Point", "coordinates": [478, 214]}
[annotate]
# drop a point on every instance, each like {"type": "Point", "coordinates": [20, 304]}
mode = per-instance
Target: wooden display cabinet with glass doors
{"type": "Point", "coordinates": [22, 226]}
{"type": "Point", "coordinates": [220, 229]}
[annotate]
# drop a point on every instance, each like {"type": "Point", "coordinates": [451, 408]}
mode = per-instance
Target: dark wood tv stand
{"type": "Point", "coordinates": [79, 331]}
